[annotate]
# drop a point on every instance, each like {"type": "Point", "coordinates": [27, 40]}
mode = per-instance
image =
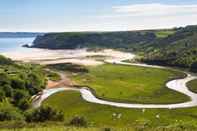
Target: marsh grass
{"type": "Point", "coordinates": [131, 84]}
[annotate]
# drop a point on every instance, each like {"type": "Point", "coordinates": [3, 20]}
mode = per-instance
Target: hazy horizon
{"type": "Point", "coordinates": [95, 30]}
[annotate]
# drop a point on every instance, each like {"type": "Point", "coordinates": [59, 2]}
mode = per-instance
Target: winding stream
{"type": "Point", "coordinates": [178, 85]}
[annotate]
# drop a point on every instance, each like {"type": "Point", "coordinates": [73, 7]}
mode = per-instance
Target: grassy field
{"type": "Point", "coordinates": [193, 85]}
{"type": "Point", "coordinates": [54, 126]}
{"type": "Point", "coordinates": [63, 128]}
{"type": "Point", "coordinates": [144, 85]}
{"type": "Point", "coordinates": [131, 83]}
{"type": "Point", "coordinates": [165, 33]}
{"type": "Point", "coordinates": [106, 116]}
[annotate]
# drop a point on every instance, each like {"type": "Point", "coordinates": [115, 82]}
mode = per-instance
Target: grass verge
{"type": "Point", "coordinates": [192, 85]}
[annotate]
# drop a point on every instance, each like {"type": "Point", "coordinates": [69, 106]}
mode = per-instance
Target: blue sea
{"type": "Point", "coordinates": [14, 44]}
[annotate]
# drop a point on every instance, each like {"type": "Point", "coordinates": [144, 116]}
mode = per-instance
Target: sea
{"type": "Point", "coordinates": [15, 44]}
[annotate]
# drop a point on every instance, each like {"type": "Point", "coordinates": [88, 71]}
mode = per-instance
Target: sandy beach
{"type": "Point", "coordinates": [77, 56]}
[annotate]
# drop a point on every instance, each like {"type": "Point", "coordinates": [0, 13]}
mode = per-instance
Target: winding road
{"type": "Point", "coordinates": [178, 85]}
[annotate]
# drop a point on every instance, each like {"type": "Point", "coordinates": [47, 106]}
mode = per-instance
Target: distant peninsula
{"type": "Point", "coordinates": [72, 40]}
{"type": "Point", "coordinates": [171, 47]}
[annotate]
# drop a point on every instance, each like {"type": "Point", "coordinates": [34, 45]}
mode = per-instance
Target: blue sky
{"type": "Point", "coordinates": [95, 15]}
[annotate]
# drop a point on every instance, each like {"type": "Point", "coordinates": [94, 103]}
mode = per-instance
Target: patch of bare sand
{"type": "Point", "coordinates": [77, 56]}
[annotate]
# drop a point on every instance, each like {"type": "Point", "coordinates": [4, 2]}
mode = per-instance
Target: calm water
{"type": "Point", "coordinates": [14, 44]}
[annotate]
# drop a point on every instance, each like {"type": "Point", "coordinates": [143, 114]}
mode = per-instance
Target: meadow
{"type": "Point", "coordinates": [131, 83]}
{"type": "Point", "coordinates": [100, 116]}
{"type": "Point", "coordinates": [97, 115]}
{"type": "Point", "coordinates": [193, 85]}
{"type": "Point", "coordinates": [164, 33]}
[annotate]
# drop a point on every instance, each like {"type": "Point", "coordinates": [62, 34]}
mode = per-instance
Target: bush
{"type": "Point", "coordinates": [194, 67]}
{"type": "Point", "coordinates": [43, 114]}
{"type": "Point", "coordinates": [4, 79]}
{"type": "Point", "coordinates": [20, 99]}
{"type": "Point", "coordinates": [78, 121]}
{"type": "Point", "coordinates": [17, 83]}
{"type": "Point", "coordinates": [8, 90]}
{"type": "Point", "coordinates": [23, 104]}
{"type": "Point", "coordinates": [106, 129]}
{"type": "Point", "coordinates": [36, 81]}
{"type": "Point", "coordinates": [2, 95]}
{"type": "Point", "coordinates": [20, 94]}
{"type": "Point", "coordinates": [9, 112]}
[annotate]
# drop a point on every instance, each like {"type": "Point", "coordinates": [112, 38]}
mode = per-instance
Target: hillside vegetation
{"type": "Point", "coordinates": [178, 49]}
{"type": "Point", "coordinates": [93, 40]}
{"type": "Point", "coordinates": [18, 83]}
{"type": "Point", "coordinates": [174, 47]}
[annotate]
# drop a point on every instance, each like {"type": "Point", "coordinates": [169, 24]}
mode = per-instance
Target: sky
{"type": "Point", "coordinates": [95, 15]}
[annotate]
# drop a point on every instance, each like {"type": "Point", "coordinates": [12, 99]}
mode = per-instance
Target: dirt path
{"type": "Point", "coordinates": [64, 82]}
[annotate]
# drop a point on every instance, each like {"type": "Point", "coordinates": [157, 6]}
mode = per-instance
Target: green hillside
{"type": "Point", "coordinates": [68, 40]}
{"type": "Point", "coordinates": [18, 82]}
{"type": "Point", "coordinates": [174, 47]}
{"type": "Point", "coordinates": [178, 49]}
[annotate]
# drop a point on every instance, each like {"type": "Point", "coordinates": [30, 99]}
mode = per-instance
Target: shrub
{"type": "Point", "coordinates": [194, 67]}
{"type": "Point", "coordinates": [20, 94]}
{"type": "Point", "coordinates": [43, 114]}
{"type": "Point", "coordinates": [106, 129]}
{"type": "Point", "coordinates": [2, 95]}
{"type": "Point", "coordinates": [4, 79]}
{"type": "Point", "coordinates": [35, 82]}
{"type": "Point", "coordinates": [9, 112]}
{"type": "Point", "coordinates": [78, 121]}
{"type": "Point", "coordinates": [17, 83]}
{"type": "Point", "coordinates": [8, 90]}
{"type": "Point", "coordinates": [23, 104]}
{"type": "Point", "coordinates": [20, 99]}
